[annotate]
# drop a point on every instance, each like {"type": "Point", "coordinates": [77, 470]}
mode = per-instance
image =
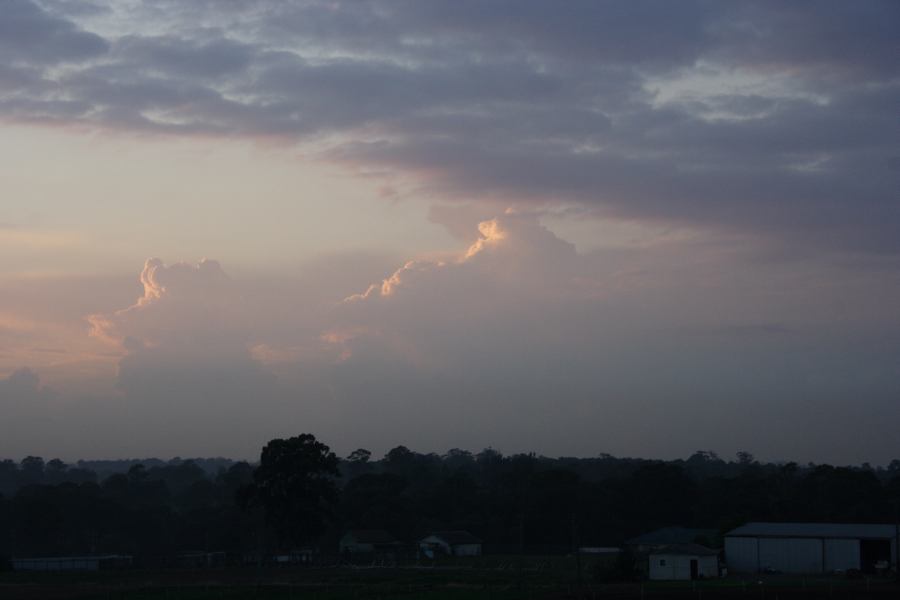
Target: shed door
{"type": "Point", "coordinates": [694, 569]}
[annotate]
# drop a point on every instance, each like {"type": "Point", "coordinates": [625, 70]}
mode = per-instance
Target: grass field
{"type": "Point", "coordinates": [447, 583]}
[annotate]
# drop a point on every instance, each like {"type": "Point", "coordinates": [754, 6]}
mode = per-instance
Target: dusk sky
{"type": "Point", "coordinates": [642, 228]}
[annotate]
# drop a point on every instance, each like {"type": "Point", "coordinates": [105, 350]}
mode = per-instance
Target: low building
{"type": "Point", "coordinates": [810, 548]}
{"type": "Point", "coordinates": [73, 563]}
{"type": "Point", "coordinates": [683, 562]}
{"type": "Point", "coordinates": [450, 543]}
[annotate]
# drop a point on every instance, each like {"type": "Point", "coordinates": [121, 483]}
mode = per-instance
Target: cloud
{"type": "Point", "coordinates": [184, 308]}
{"type": "Point", "coordinates": [23, 387]}
{"type": "Point", "coordinates": [37, 239]}
{"type": "Point", "coordinates": [516, 340]}
{"type": "Point", "coordinates": [32, 35]}
{"type": "Point", "coordinates": [521, 342]}
{"type": "Point", "coordinates": [25, 410]}
{"type": "Point", "coordinates": [771, 120]}
{"type": "Point", "coordinates": [186, 366]}
{"type": "Point", "coordinates": [513, 255]}
{"type": "Point", "coordinates": [195, 363]}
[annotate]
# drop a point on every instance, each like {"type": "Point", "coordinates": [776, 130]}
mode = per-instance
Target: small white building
{"type": "Point", "coordinates": [450, 543]}
{"type": "Point", "coordinates": [683, 562]}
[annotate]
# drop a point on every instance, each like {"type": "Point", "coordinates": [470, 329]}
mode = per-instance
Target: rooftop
{"type": "Point", "coordinates": [814, 530]}
{"type": "Point", "coordinates": [686, 550]}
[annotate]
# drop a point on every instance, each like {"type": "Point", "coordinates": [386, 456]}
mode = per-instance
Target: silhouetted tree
{"type": "Point", "coordinates": [32, 469]}
{"type": "Point", "coordinates": [295, 485]}
{"type": "Point", "coordinates": [360, 455]}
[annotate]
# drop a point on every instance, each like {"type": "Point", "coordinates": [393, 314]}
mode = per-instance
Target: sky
{"type": "Point", "coordinates": [642, 228]}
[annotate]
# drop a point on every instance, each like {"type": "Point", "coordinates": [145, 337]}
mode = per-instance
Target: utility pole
{"type": "Point", "coordinates": [577, 551]}
{"type": "Point", "coordinates": [897, 539]}
{"type": "Point", "coordinates": [521, 548]}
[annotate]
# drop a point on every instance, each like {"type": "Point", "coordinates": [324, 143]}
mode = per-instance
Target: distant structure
{"type": "Point", "coordinates": [200, 559]}
{"type": "Point", "coordinates": [298, 556]}
{"type": "Point", "coordinates": [810, 548]}
{"type": "Point", "coordinates": [669, 536]}
{"type": "Point", "coordinates": [73, 563]}
{"type": "Point", "coordinates": [683, 562]}
{"type": "Point", "coordinates": [450, 543]}
{"type": "Point", "coordinates": [369, 543]}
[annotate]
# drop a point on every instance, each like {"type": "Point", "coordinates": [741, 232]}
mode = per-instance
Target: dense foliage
{"type": "Point", "coordinates": [301, 493]}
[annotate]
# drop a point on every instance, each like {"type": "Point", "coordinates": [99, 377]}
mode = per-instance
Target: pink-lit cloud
{"type": "Point", "coordinates": [184, 309]}
{"type": "Point", "coordinates": [515, 340]}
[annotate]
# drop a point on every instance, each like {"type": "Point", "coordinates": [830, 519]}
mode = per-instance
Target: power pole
{"type": "Point", "coordinates": [897, 539]}
{"type": "Point", "coordinates": [576, 549]}
{"type": "Point", "coordinates": [521, 548]}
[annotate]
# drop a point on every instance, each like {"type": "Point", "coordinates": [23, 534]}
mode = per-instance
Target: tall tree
{"type": "Point", "coordinates": [295, 485]}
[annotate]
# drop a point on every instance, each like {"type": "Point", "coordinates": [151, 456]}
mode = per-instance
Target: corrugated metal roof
{"type": "Point", "coordinates": [814, 530]}
{"type": "Point", "coordinates": [685, 550]}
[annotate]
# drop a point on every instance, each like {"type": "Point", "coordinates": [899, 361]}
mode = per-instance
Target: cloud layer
{"type": "Point", "coordinates": [773, 119]}
{"type": "Point", "coordinates": [759, 138]}
{"type": "Point", "coordinates": [516, 341]}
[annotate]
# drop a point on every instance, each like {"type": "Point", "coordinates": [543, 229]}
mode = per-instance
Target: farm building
{"type": "Point", "coordinates": [450, 543]}
{"type": "Point", "coordinates": [683, 562]}
{"type": "Point", "coordinates": [810, 547]}
{"type": "Point", "coordinates": [72, 563]}
{"type": "Point", "coordinates": [199, 559]}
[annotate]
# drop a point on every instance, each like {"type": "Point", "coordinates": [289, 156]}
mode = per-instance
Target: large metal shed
{"type": "Point", "coordinates": [810, 547]}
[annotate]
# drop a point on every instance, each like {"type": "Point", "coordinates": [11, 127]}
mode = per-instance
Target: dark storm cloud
{"type": "Point", "coordinates": [177, 57]}
{"type": "Point", "coordinates": [32, 35]}
{"type": "Point", "coordinates": [831, 39]}
{"type": "Point", "coordinates": [769, 118]}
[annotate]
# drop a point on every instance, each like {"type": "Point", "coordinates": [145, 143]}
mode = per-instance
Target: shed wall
{"type": "Point", "coordinates": [841, 555]}
{"type": "Point", "coordinates": [678, 567]}
{"type": "Point", "coordinates": [741, 554]}
{"type": "Point", "coordinates": [791, 555]}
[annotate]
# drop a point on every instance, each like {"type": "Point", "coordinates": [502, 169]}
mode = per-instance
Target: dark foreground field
{"type": "Point", "coordinates": [411, 584]}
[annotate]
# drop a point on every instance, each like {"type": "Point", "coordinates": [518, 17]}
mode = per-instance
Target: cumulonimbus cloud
{"type": "Point", "coordinates": [515, 270]}
{"type": "Point", "coordinates": [183, 307]}
{"type": "Point", "coordinates": [516, 340]}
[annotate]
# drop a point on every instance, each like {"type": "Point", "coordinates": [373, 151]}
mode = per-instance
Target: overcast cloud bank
{"type": "Point", "coordinates": [772, 118]}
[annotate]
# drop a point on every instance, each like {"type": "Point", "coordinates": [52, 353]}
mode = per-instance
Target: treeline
{"type": "Point", "coordinates": [301, 494]}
